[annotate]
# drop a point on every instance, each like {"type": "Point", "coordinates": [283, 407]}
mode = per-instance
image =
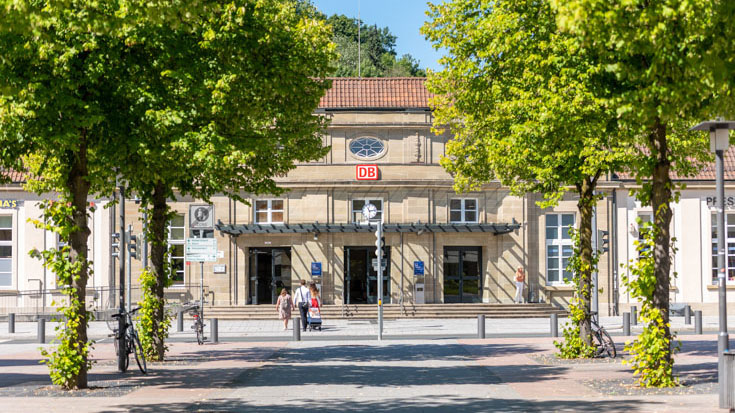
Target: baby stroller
{"type": "Point", "coordinates": [314, 316]}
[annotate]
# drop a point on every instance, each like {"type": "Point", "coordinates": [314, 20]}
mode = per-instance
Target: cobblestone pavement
{"type": "Point", "coordinates": [442, 375]}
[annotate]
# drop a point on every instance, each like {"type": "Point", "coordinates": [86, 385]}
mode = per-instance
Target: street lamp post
{"type": "Point", "coordinates": [719, 131]}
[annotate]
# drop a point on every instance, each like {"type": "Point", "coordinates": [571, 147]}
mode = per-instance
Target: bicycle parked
{"type": "Point", "coordinates": [604, 344]}
{"type": "Point", "coordinates": [197, 312]}
{"type": "Point", "coordinates": [132, 342]}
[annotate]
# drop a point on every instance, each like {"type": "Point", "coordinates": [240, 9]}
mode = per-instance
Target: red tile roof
{"type": "Point", "coordinates": [376, 92]}
{"type": "Point", "coordinates": [707, 173]}
{"type": "Point", "coordinates": [14, 176]}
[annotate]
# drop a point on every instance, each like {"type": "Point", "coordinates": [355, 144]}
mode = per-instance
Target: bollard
{"type": "Point", "coordinates": [697, 322]}
{"type": "Point", "coordinates": [633, 315]}
{"type": "Point", "coordinates": [214, 330]}
{"type": "Point", "coordinates": [41, 330]}
{"type": "Point", "coordinates": [480, 326]}
{"type": "Point", "coordinates": [11, 323]}
{"type": "Point", "coordinates": [554, 320]}
{"type": "Point", "coordinates": [296, 329]}
{"type": "Point", "coordinates": [687, 315]}
{"type": "Point", "coordinates": [626, 324]}
{"type": "Point", "coordinates": [180, 321]}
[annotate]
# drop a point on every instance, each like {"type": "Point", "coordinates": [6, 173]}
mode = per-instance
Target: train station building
{"type": "Point", "coordinates": [441, 247]}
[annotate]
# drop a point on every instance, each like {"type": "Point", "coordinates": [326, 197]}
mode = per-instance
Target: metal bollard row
{"type": "Point", "coordinates": [633, 315]}
{"type": "Point", "coordinates": [480, 326]}
{"type": "Point", "coordinates": [697, 322]}
{"type": "Point", "coordinates": [11, 323]}
{"type": "Point", "coordinates": [180, 321]}
{"type": "Point", "coordinates": [687, 315]}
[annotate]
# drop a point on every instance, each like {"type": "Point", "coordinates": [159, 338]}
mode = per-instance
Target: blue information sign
{"type": "Point", "coordinates": [316, 269]}
{"type": "Point", "coordinates": [418, 268]}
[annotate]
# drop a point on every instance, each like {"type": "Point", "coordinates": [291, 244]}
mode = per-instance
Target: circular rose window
{"type": "Point", "coordinates": [367, 147]}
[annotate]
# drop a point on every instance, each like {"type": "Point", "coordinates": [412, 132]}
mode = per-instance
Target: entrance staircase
{"type": "Point", "coordinates": [392, 311]}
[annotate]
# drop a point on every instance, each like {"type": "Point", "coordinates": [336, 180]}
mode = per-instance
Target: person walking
{"type": "Point", "coordinates": [520, 279]}
{"type": "Point", "coordinates": [283, 306]}
{"type": "Point", "coordinates": [301, 299]}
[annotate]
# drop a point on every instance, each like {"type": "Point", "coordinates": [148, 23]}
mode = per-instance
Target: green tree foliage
{"type": "Point", "coordinates": [378, 57]}
{"type": "Point", "coordinates": [673, 62]}
{"type": "Point", "coordinates": [223, 102]}
{"type": "Point", "coordinates": [59, 69]}
{"type": "Point", "coordinates": [523, 104]}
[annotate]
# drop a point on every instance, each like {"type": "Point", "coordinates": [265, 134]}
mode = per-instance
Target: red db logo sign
{"type": "Point", "coordinates": [367, 172]}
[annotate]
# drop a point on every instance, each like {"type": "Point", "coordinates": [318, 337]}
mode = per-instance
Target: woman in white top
{"type": "Point", "coordinates": [520, 279]}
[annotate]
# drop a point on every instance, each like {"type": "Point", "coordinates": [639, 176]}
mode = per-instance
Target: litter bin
{"type": "Point", "coordinates": [727, 400]}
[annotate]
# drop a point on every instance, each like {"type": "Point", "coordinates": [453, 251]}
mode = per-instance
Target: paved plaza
{"type": "Point", "coordinates": [328, 373]}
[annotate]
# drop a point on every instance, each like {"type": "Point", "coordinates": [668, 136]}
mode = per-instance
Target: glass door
{"type": "Point", "coordinates": [361, 279]}
{"type": "Point", "coordinates": [462, 275]}
{"type": "Point", "coordinates": [270, 271]}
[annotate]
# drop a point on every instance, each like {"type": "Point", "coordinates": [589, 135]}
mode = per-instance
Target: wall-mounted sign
{"type": "Point", "coordinates": [201, 250]}
{"type": "Point", "coordinates": [220, 269]}
{"type": "Point", "coordinates": [712, 201]}
{"type": "Point", "coordinates": [10, 203]}
{"type": "Point", "coordinates": [418, 268]}
{"type": "Point", "coordinates": [366, 172]}
{"type": "Point", "coordinates": [201, 216]}
{"type": "Point", "coordinates": [316, 269]}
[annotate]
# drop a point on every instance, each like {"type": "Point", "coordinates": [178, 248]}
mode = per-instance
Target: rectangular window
{"type": "Point", "coordinates": [729, 247]}
{"type": "Point", "coordinates": [558, 247]}
{"type": "Point", "coordinates": [6, 251]}
{"type": "Point", "coordinates": [269, 211]}
{"type": "Point", "coordinates": [462, 211]}
{"type": "Point", "coordinates": [357, 205]}
{"type": "Point", "coordinates": [176, 231]}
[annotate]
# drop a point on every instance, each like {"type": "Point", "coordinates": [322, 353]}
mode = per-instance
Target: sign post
{"type": "Point", "coordinates": [201, 250]}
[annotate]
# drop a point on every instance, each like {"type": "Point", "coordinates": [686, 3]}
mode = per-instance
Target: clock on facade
{"type": "Point", "coordinates": [369, 211]}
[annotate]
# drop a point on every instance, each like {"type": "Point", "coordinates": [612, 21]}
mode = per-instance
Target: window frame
{"type": "Point", "coordinates": [10, 243]}
{"type": "Point", "coordinates": [730, 279]}
{"type": "Point", "coordinates": [353, 212]}
{"type": "Point", "coordinates": [269, 211]}
{"type": "Point", "coordinates": [375, 156]}
{"type": "Point", "coordinates": [463, 211]}
{"type": "Point", "coordinates": [175, 242]}
{"type": "Point", "coordinates": [560, 242]}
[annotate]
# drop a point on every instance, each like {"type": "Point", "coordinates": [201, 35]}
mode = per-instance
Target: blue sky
{"type": "Point", "coordinates": [404, 18]}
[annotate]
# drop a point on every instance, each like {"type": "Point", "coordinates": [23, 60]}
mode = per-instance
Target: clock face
{"type": "Point", "coordinates": [369, 211]}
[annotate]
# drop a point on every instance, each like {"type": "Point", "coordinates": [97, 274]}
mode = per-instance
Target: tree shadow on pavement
{"type": "Point", "coordinates": [439, 403]}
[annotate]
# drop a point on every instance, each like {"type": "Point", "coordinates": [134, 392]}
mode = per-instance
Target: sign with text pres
{"type": "Point", "coordinates": [366, 172]}
{"type": "Point", "coordinates": [201, 250]}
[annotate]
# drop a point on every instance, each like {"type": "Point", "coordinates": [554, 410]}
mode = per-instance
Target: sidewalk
{"type": "Point", "coordinates": [469, 375]}
{"type": "Point", "coordinates": [365, 328]}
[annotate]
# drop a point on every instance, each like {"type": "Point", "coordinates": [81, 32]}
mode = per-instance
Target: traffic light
{"type": "Point", "coordinates": [604, 240]}
{"type": "Point", "coordinates": [115, 250]}
{"type": "Point", "coordinates": [133, 246]}
{"type": "Point", "coordinates": [379, 242]}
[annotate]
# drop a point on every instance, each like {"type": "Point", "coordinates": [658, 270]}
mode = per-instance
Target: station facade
{"type": "Point", "coordinates": [440, 246]}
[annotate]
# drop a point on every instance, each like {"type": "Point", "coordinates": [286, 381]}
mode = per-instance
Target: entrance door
{"type": "Point", "coordinates": [361, 279]}
{"type": "Point", "coordinates": [270, 271]}
{"type": "Point", "coordinates": [462, 275]}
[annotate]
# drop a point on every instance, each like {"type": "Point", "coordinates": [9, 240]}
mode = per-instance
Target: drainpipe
{"type": "Point", "coordinates": [400, 299]}
{"type": "Point", "coordinates": [614, 250]}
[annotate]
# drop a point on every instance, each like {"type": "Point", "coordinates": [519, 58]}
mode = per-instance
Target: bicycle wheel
{"type": "Point", "coordinates": [139, 356]}
{"type": "Point", "coordinates": [608, 344]}
{"type": "Point", "coordinates": [117, 353]}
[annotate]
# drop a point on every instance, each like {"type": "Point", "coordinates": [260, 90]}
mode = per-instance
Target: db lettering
{"type": "Point", "coordinates": [367, 172]}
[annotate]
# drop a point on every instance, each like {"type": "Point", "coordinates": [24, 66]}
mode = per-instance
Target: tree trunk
{"type": "Point", "coordinates": [78, 186]}
{"type": "Point", "coordinates": [584, 286]}
{"type": "Point", "coordinates": [157, 237]}
{"type": "Point", "coordinates": [660, 202]}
